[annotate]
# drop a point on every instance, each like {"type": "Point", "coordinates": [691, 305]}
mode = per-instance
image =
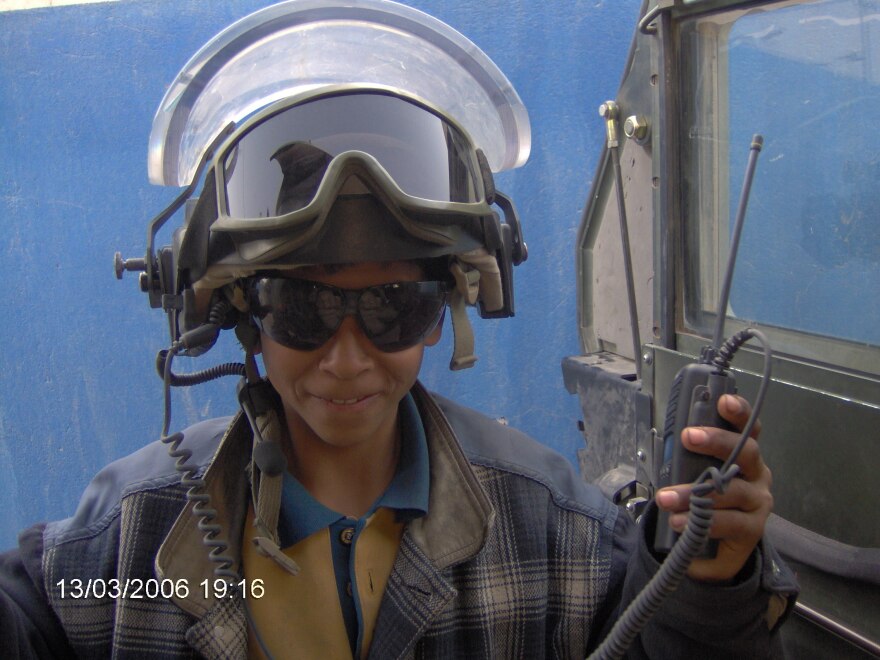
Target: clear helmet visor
{"type": "Point", "coordinates": [300, 45]}
{"type": "Point", "coordinates": [288, 159]}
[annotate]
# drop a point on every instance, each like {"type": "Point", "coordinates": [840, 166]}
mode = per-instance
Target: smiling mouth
{"type": "Point", "coordinates": [347, 402]}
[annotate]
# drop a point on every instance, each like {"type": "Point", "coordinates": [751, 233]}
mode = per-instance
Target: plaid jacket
{"type": "Point", "coordinates": [517, 558]}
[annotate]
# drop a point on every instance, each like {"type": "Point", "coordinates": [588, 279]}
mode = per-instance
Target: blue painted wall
{"type": "Point", "coordinates": [78, 89]}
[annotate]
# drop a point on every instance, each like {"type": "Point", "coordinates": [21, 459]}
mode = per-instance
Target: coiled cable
{"type": "Point", "coordinates": [191, 480]}
{"type": "Point", "coordinates": [199, 377]}
{"type": "Point", "coordinates": [204, 334]}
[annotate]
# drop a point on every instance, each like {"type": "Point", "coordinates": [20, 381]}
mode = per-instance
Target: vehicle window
{"type": "Point", "coordinates": [807, 77]}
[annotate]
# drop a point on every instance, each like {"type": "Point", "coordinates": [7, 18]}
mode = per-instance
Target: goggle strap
{"type": "Point", "coordinates": [463, 334]}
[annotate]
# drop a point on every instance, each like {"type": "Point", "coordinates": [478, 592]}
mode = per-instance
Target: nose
{"type": "Point", "coordinates": [347, 353]}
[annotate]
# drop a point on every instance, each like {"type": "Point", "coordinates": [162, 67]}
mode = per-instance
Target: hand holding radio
{"type": "Point", "coordinates": [708, 434]}
{"type": "Point", "coordinates": [742, 510]}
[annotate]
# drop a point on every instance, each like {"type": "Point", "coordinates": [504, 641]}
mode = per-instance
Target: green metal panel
{"type": "Point", "coordinates": [820, 445]}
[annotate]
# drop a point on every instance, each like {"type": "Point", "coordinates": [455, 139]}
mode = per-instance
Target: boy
{"type": "Point", "coordinates": [346, 511]}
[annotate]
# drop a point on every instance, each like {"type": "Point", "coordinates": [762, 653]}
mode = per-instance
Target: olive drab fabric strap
{"type": "Point", "coordinates": [489, 287]}
{"type": "Point", "coordinates": [266, 488]}
{"type": "Point", "coordinates": [467, 286]}
{"type": "Point", "coordinates": [477, 277]}
{"type": "Point", "coordinates": [267, 504]}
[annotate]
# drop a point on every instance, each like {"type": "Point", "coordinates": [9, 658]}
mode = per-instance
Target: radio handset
{"type": "Point", "coordinates": [693, 401]}
{"type": "Point", "coordinates": [696, 389]}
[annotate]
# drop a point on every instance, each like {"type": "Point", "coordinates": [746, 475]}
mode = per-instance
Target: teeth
{"type": "Point", "coordinates": [344, 402]}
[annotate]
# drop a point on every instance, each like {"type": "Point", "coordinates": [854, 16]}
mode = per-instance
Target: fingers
{"type": "Point", "coordinates": [738, 520]}
{"type": "Point", "coordinates": [737, 532]}
{"type": "Point", "coordinates": [739, 512]}
{"type": "Point", "coordinates": [740, 494]}
{"type": "Point", "coordinates": [736, 410]}
{"type": "Point", "coordinates": [726, 524]}
{"type": "Point", "coordinates": [720, 443]}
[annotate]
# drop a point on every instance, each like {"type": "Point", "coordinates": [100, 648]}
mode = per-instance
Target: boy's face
{"type": "Point", "coordinates": [346, 392]}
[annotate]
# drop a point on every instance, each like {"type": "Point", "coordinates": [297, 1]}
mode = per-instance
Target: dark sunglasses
{"type": "Point", "coordinates": [303, 315]}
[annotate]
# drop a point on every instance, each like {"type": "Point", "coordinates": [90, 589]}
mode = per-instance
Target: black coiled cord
{"type": "Point", "coordinates": [199, 377]}
{"type": "Point", "coordinates": [195, 484]}
{"type": "Point", "coordinates": [204, 334]}
{"type": "Point", "coordinates": [696, 533]}
{"type": "Point", "coordinates": [722, 361]}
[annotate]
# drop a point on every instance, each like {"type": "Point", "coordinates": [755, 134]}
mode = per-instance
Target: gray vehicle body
{"type": "Point", "coordinates": [701, 78]}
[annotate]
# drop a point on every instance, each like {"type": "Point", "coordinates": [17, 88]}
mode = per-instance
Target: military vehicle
{"type": "Point", "coordinates": [701, 78]}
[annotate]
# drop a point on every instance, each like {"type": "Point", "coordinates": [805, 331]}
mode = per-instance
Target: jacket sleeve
{"type": "Point", "coordinates": [28, 626]}
{"type": "Point", "coordinates": [736, 620]}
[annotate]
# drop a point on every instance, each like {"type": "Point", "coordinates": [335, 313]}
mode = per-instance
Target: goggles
{"type": "Point", "coordinates": [304, 315]}
{"type": "Point", "coordinates": [284, 167]}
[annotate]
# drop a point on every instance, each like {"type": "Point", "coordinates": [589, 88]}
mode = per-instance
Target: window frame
{"type": "Point", "coordinates": [704, 212]}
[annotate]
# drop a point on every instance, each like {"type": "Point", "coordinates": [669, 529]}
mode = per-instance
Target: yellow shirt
{"type": "Point", "coordinates": [300, 616]}
{"type": "Point", "coordinates": [329, 609]}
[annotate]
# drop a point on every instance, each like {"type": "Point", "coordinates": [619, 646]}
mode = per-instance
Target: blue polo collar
{"type": "Point", "coordinates": [302, 515]}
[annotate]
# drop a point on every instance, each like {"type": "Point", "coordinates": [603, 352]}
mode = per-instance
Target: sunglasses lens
{"type": "Point", "coordinates": [295, 313]}
{"type": "Point", "coordinates": [397, 316]}
{"type": "Point", "coordinates": [303, 315]}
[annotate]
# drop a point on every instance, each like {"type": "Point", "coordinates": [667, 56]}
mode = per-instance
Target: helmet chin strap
{"type": "Point", "coordinates": [467, 286]}
{"type": "Point", "coordinates": [261, 406]}
{"type": "Point", "coordinates": [477, 277]}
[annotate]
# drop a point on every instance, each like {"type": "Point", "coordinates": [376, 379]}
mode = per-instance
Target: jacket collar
{"type": "Point", "coordinates": [459, 512]}
{"type": "Point", "coordinates": [455, 529]}
{"type": "Point", "coordinates": [183, 555]}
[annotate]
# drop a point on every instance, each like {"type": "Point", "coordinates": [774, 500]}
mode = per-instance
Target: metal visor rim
{"type": "Point", "coordinates": [283, 168]}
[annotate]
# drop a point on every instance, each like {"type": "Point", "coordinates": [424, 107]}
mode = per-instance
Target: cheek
{"type": "Point", "coordinates": [283, 365]}
{"type": "Point", "coordinates": [406, 364]}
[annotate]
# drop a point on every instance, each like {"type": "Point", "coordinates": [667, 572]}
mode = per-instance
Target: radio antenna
{"type": "Point", "coordinates": [754, 150]}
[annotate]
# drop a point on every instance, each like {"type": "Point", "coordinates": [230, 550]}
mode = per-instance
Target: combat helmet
{"type": "Point", "coordinates": [315, 125]}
